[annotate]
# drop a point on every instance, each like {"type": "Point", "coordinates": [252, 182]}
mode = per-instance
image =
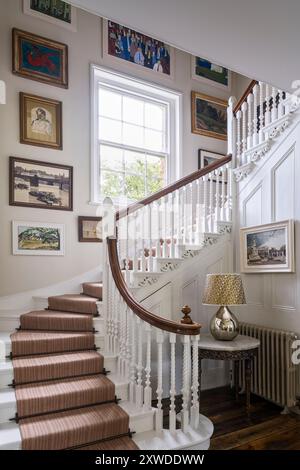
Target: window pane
{"type": "Point", "coordinates": [154, 116]}
{"type": "Point", "coordinates": [156, 167]}
{"type": "Point", "coordinates": [135, 163]}
{"type": "Point", "coordinates": [135, 186]}
{"type": "Point", "coordinates": [154, 185]}
{"type": "Point", "coordinates": [154, 140]}
{"type": "Point", "coordinates": [111, 158]}
{"type": "Point", "coordinates": [133, 110]}
{"type": "Point", "coordinates": [110, 130]}
{"type": "Point", "coordinates": [110, 104]}
{"type": "Point", "coordinates": [133, 135]}
{"type": "Point", "coordinates": [112, 183]}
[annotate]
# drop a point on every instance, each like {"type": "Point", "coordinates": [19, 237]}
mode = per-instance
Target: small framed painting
{"type": "Point", "coordinates": [40, 121]}
{"type": "Point", "coordinates": [90, 229]}
{"type": "Point", "coordinates": [37, 238]}
{"type": "Point", "coordinates": [268, 248]}
{"type": "Point", "coordinates": [39, 58]}
{"type": "Point", "coordinates": [137, 49]}
{"type": "Point", "coordinates": [209, 116]}
{"type": "Point", "coordinates": [206, 72]}
{"type": "Point", "coordinates": [38, 184]}
{"type": "Point", "coordinates": [205, 158]}
{"type": "Point", "coordinates": [54, 11]}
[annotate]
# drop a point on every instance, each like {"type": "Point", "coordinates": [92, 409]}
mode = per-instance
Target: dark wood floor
{"type": "Point", "coordinates": [265, 429]}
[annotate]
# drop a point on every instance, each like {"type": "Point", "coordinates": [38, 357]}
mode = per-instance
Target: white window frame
{"type": "Point", "coordinates": [172, 98]}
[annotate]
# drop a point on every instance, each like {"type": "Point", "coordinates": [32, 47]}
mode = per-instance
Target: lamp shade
{"type": "Point", "coordinates": [224, 289]}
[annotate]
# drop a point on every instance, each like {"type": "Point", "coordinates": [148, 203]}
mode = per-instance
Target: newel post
{"type": "Point", "coordinates": [231, 129]}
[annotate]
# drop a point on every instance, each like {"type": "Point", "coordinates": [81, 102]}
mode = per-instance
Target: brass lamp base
{"type": "Point", "coordinates": [224, 325]}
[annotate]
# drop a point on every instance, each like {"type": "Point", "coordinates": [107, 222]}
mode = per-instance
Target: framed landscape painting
{"type": "Point", "coordinates": [38, 184]}
{"type": "Point", "coordinates": [40, 121]}
{"type": "Point", "coordinates": [54, 11]}
{"type": "Point", "coordinates": [268, 248]}
{"type": "Point", "coordinates": [90, 229]}
{"type": "Point", "coordinates": [207, 72]}
{"type": "Point", "coordinates": [137, 49]}
{"type": "Point", "coordinates": [209, 116]}
{"type": "Point", "coordinates": [39, 58]}
{"type": "Point", "coordinates": [37, 238]}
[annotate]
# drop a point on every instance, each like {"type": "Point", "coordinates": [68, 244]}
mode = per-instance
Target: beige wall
{"type": "Point", "coordinates": [24, 273]}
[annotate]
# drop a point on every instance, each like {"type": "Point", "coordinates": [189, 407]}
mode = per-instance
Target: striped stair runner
{"type": "Point", "coordinates": [64, 399]}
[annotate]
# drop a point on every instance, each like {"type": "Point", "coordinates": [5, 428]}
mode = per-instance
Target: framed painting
{"type": "Point", "coordinates": [90, 229]}
{"type": "Point", "coordinates": [54, 11]}
{"type": "Point", "coordinates": [39, 58]}
{"type": "Point", "coordinates": [38, 184]}
{"type": "Point", "coordinates": [207, 72]}
{"type": "Point", "coordinates": [38, 238]}
{"type": "Point", "coordinates": [209, 116]}
{"type": "Point", "coordinates": [40, 121]}
{"type": "Point", "coordinates": [268, 248]}
{"type": "Point", "coordinates": [137, 49]}
{"type": "Point", "coordinates": [205, 158]}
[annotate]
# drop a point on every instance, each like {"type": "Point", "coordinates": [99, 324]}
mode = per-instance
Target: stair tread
{"type": "Point", "coordinates": [76, 303]}
{"type": "Point", "coordinates": [56, 320]}
{"type": "Point", "coordinates": [120, 443]}
{"type": "Point", "coordinates": [74, 427]}
{"type": "Point", "coordinates": [93, 289]}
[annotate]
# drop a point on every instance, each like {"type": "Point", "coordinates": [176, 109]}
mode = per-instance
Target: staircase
{"type": "Point", "coordinates": [85, 371]}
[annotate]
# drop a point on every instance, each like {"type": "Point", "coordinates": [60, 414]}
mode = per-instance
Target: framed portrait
{"type": "Point", "coordinates": [54, 11]}
{"type": "Point", "coordinates": [137, 49]}
{"type": "Point", "coordinates": [39, 58]}
{"type": "Point", "coordinates": [38, 238]}
{"type": "Point", "coordinates": [38, 184]}
{"type": "Point", "coordinates": [209, 116]}
{"type": "Point", "coordinates": [90, 229]}
{"type": "Point", "coordinates": [207, 72]}
{"type": "Point", "coordinates": [268, 248]}
{"type": "Point", "coordinates": [40, 121]}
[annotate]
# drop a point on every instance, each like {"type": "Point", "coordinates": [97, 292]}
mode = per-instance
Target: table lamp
{"type": "Point", "coordinates": [224, 290]}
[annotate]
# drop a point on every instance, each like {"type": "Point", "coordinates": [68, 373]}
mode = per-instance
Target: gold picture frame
{"type": "Point", "coordinates": [209, 116]}
{"type": "Point", "coordinates": [40, 121]}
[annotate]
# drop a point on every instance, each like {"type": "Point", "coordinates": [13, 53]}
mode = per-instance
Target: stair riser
{"type": "Point", "coordinates": [6, 378]}
{"type": "Point", "coordinates": [9, 324]}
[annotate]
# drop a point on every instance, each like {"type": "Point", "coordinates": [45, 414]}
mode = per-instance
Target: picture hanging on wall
{"type": "Point", "coordinates": [40, 121]}
{"type": "Point", "coordinates": [38, 184]}
{"type": "Point", "coordinates": [205, 158]}
{"type": "Point", "coordinates": [209, 116]}
{"type": "Point", "coordinates": [90, 229]}
{"type": "Point", "coordinates": [137, 49]}
{"type": "Point", "coordinates": [37, 238]}
{"type": "Point", "coordinates": [268, 248]}
{"type": "Point", "coordinates": [54, 11]}
{"type": "Point", "coordinates": [40, 59]}
{"type": "Point", "coordinates": [206, 72]}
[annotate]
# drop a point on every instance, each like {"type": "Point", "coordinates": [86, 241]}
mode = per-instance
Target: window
{"type": "Point", "coordinates": [134, 139]}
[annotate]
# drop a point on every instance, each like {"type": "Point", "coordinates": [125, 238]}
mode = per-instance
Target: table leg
{"type": "Point", "coordinates": [248, 373]}
{"type": "Point", "coordinates": [236, 378]}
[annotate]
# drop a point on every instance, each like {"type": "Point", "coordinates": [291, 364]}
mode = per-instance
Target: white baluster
{"type": "Point", "coordinates": [230, 126]}
{"type": "Point", "coordinates": [143, 231]}
{"type": "Point", "coordinates": [195, 384]}
{"type": "Point", "coordinates": [139, 386]}
{"type": "Point", "coordinates": [148, 389]}
{"type": "Point", "coordinates": [186, 215]}
{"type": "Point", "coordinates": [172, 225]}
{"type": "Point", "coordinates": [135, 261]}
{"type": "Point", "coordinates": [255, 121]}
{"type": "Point", "coordinates": [159, 390]}
{"type": "Point", "coordinates": [211, 203]}
{"type": "Point", "coordinates": [239, 161]}
{"type": "Point", "coordinates": [267, 99]}
{"type": "Point", "coordinates": [180, 220]}
{"type": "Point", "coordinates": [244, 130]}
{"type": "Point", "coordinates": [128, 345]}
{"type": "Point", "coordinates": [150, 237]}
{"type": "Point", "coordinates": [185, 383]}
{"type": "Point", "coordinates": [229, 193]}
{"type": "Point", "coordinates": [172, 412]}
{"type": "Point", "coordinates": [250, 123]}
{"type": "Point", "coordinates": [261, 112]}
{"type": "Point", "coordinates": [132, 384]}
{"type": "Point", "coordinates": [191, 213]}
{"type": "Point", "coordinates": [280, 104]}
{"type": "Point", "coordinates": [217, 173]}
{"type": "Point", "coordinates": [223, 196]}
{"type": "Point", "coordinates": [205, 204]}
{"type": "Point", "coordinates": [158, 220]}
{"type": "Point", "coordinates": [199, 211]}
{"type": "Point", "coordinates": [274, 106]}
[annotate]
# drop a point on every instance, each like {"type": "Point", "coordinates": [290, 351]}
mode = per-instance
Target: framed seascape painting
{"type": "Point", "coordinates": [209, 116]}
{"type": "Point", "coordinates": [38, 184]}
{"type": "Point", "coordinates": [90, 229]}
{"type": "Point", "coordinates": [37, 238]}
{"type": "Point", "coordinates": [54, 11]}
{"type": "Point", "coordinates": [40, 121]}
{"type": "Point", "coordinates": [205, 71]}
{"type": "Point", "coordinates": [137, 49]}
{"type": "Point", "coordinates": [39, 58]}
{"type": "Point", "coordinates": [268, 248]}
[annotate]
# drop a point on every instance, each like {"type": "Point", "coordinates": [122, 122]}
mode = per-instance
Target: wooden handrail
{"type": "Point", "coordinates": [244, 96]}
{"type": "Point", "coordinates": [138, 309]}
{"type": "Point", "coordinates": [173, 187]}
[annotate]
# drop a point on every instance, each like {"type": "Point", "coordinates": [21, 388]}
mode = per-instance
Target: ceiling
{"type": "Point", "coordinates": [257, 38]}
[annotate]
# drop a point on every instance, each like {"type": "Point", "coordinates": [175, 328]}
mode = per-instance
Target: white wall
{"type": "Point", "coordinates": [272, 194]}
{"type": "Point", "coordinates": [24, 273]}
